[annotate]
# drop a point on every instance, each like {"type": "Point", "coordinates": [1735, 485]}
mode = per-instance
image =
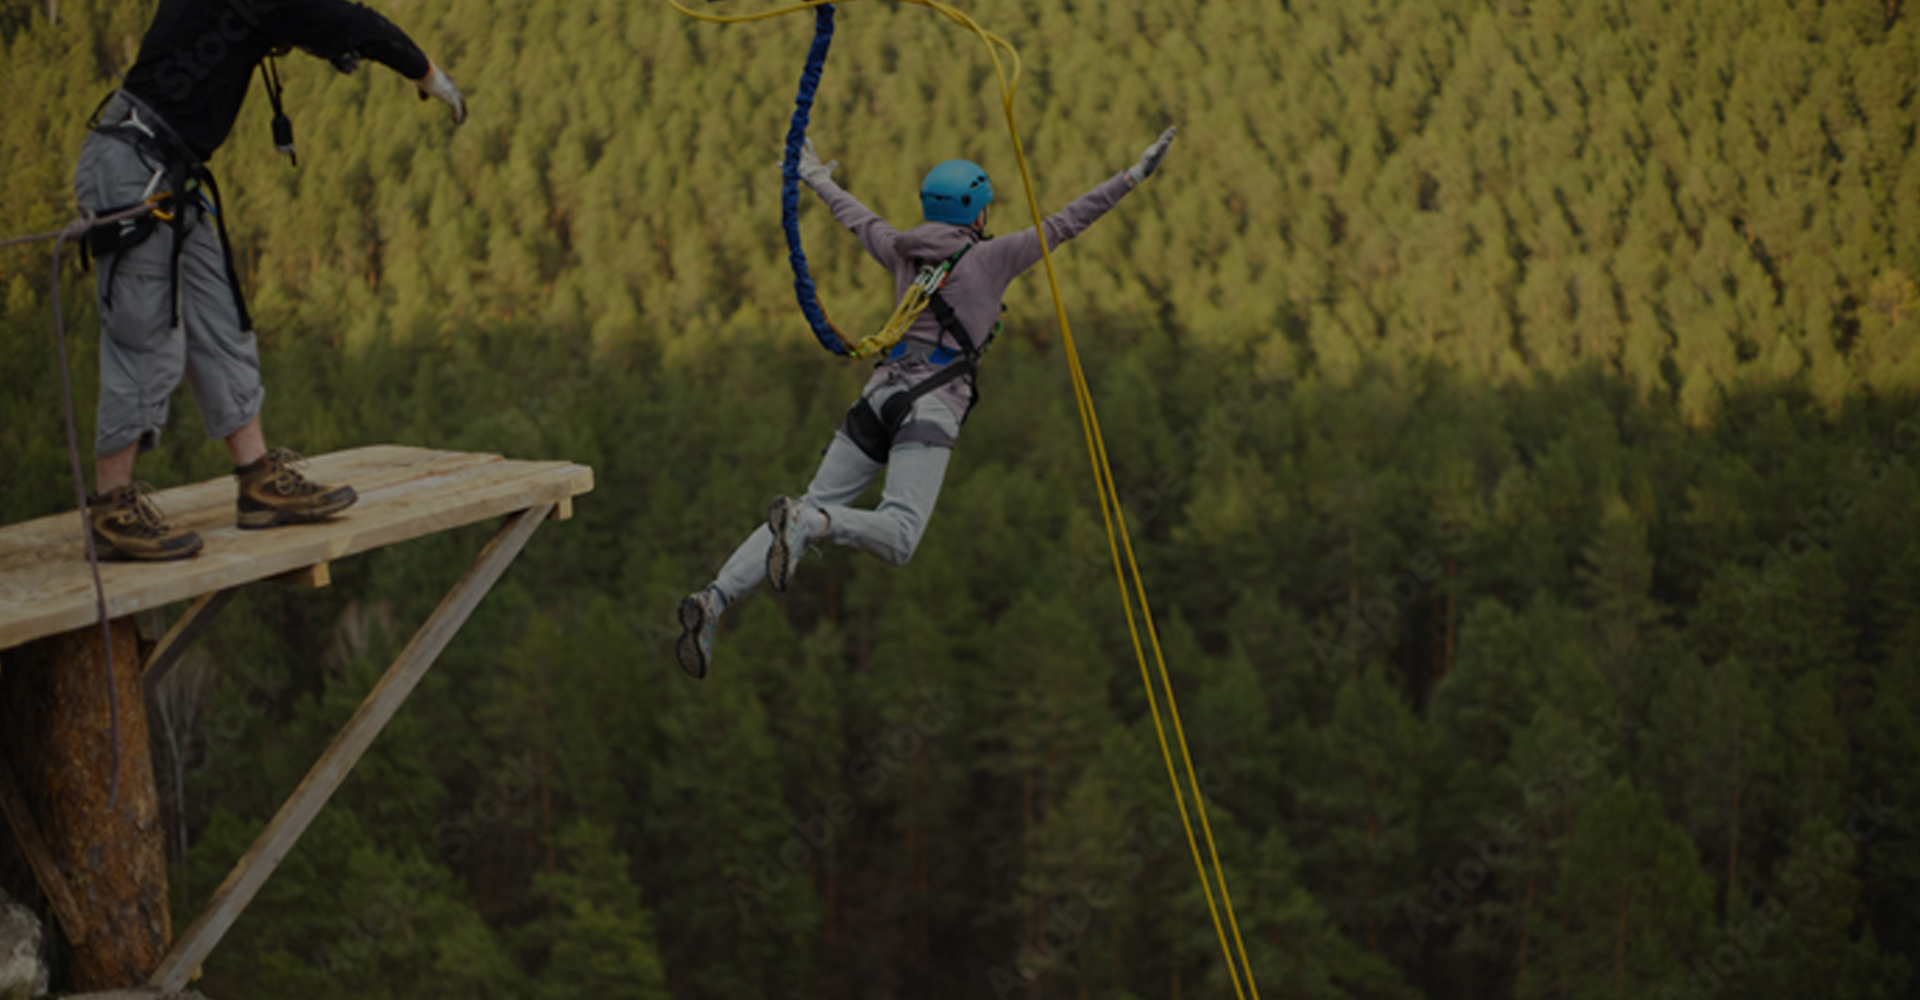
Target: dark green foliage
{"type": "Point", "coordinates": [597, 938]}
{"type": "Point", "coordinates": [1631, 905]}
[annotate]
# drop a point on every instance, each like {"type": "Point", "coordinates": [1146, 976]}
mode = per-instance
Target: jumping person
{"type": "Point", "coordinates": [911, 410]}
{"type": "Point", "coordinates": [170, 302]}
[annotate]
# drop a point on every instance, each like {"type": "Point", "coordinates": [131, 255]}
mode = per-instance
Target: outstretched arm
{"type": "Point", "coordinates": [875, 233]}
{"type": "Point", "coordinates": [1022, 250]}
{"type": "Point", "coordinates": [344, 32]}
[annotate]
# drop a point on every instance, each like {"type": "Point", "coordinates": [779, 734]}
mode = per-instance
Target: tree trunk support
{"type": "Point", "coordinates": [106, 855]}
{"type": "Point", "coordinates": [254, 867]}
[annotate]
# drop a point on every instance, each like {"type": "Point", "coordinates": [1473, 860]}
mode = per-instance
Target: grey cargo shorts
{"type": "Point", "coordinates": [142, 353]}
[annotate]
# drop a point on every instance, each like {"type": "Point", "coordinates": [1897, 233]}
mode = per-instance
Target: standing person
{"type": "Point", "coordinates": [170, 301]}
{"type": "Point", "coordinates": [908, 416]}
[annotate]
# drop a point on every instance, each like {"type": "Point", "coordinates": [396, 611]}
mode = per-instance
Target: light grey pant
{"type": "Point", "coordinates": [892, 530]}
{"type": "Point", "coordinates": [142, 353]}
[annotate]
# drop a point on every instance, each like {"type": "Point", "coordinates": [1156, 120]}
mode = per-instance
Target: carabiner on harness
{"type": "Point", "coordinates": [156, 200]}
{"type": "Point", "coordinates": [930, 280]}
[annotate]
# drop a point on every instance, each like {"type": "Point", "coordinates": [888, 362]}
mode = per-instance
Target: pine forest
{"type": "Point", "coordinates": [1516, 405]}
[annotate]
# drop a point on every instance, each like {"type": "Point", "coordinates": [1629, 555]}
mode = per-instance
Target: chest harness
{"type": "Point", "coordinates": [876, 434]}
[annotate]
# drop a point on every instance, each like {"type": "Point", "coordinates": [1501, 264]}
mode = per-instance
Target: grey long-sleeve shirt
{"type": "Point", "coordinates": [978, 283]}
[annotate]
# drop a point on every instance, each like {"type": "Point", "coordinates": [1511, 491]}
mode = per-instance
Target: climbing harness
{"type": "Point", "coordinates": [875, 434]}
{"type": "Point", "coordinates": [1126, 568]}
{"type": "Point", "coordinates": [181, 188]}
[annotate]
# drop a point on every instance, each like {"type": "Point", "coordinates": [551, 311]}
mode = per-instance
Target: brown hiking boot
{"type": "Point", "coordinates": [273, 492]}
{"type": "Point", "coordinates": [127, 525]}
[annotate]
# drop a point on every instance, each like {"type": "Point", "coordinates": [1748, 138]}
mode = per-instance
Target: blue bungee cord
{"type": "Point", "coordinates": [803, 289]}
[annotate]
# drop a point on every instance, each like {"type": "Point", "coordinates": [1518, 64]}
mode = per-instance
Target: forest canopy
{"type": "Point", "coordinates": [1514, 401]}
{"type": "Point", "coordinates": [1694, 196]}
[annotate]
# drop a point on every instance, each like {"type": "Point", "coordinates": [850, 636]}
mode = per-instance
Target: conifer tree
{"type": "Point", "coordinates": [597, 938]}
{"type": "Point", "coordinates": [1631, 904]}
{"type": "Point", "coordinates": [1359, 806]}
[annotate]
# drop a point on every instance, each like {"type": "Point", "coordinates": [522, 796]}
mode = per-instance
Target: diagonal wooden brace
{"type": "Point", "coordinates": [254, 867]}
{"type": "Point", "coordinates": [46, 870]}
{"type": "Point", "coordinates": [181, 636]}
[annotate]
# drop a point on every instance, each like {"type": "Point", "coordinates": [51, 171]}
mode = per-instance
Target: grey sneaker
{"type": "Point", "coordinates": [699, 613]}
{"type": "Point", "coordinates": [788, 520]}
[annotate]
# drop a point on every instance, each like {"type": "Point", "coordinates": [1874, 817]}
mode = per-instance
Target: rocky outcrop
{"type": "Point", "coordinates": [23, 973]}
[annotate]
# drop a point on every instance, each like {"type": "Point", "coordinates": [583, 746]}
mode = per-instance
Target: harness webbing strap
{"type": "Point", "coordinates": [186, 179]}
{"type": "Point", "coordinates": [226, 248]}
{"type": "Point", "coordinates": [967, 365]}
{"type": "Point", "coordinates": [875, 435]}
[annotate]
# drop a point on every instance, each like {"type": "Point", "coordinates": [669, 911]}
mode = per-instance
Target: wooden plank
{"type": "Point", "coordinates": [385, 517]}
{"type": "Point", "coordinates": [563, 511]}
{"type": "Point", "coordinates": [171, 646]}
{"type": "Point", "coordinates": [406, 493]}
{"type": "Point", "coordinates": [253, 868]}
{"type": "Point", "coordinates": [209, 505]}
{"type": "Point", "coordinates": [46, 870]}
{"type": "Point", "coordinates": [48, 546]}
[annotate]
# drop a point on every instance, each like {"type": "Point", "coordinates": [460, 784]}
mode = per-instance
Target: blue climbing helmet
{"type": "Point", "coordinates": [955, 192]}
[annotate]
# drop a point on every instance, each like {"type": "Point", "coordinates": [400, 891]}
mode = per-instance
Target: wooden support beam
{"type": "Point", "coordinates": [171, 646]}
{"type": "Point", "coordinates": [311, 577]}
{"type": "Point", "coordinates": [253, 868]}
{"type": "Point", "coordinates": [562, 511]}
{"type": "Point", "coordinates": [46, 870]}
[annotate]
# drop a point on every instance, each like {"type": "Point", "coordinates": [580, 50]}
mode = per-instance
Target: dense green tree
{"type": "Point", "coordinates": [1359, 804]}
{"type": "Point", "coordinates": [597, 938]}
{"type": "Point", "coordinates": [1630, 906]}
{"type": "Point", "coordinates": [1805, 938]}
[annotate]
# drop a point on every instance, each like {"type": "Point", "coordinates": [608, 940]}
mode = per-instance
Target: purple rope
{"type": "Point", "coordinates": [78, 229]}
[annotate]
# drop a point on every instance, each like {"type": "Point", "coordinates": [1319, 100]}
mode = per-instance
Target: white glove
{"type": "Point", "coordinates": [1150, 159]}
{"type": "Point", "coordinates": [438, 85]}
{"type": "Point", "coordinates": [812, 170]}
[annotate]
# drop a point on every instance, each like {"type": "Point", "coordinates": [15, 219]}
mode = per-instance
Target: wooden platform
{"type": "Point", "coordinates": [405, 493]}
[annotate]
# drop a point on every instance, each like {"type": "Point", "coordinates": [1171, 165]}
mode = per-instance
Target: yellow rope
{"type": "Point", "coordinates": [1119, 541]}
{"type": "Point", "coordinates": [911, 306]}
